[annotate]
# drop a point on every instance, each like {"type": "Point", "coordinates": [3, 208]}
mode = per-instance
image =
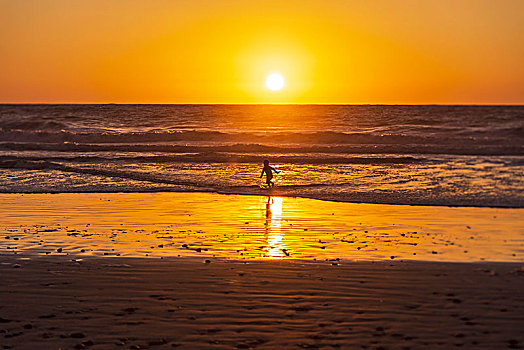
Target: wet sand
{"type": "Point", "coordinates": [133, 303]}
{"type": "Point", "coordinates": [253, 227]}
{"type": "Point", "coordinates": [190, 270]}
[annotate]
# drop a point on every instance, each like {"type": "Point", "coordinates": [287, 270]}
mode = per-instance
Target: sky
{"type": "Point", "coordinates": [210, 51]}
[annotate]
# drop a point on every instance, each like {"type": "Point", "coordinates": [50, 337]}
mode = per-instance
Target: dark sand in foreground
{"type": "Point", "coordinates": [131, 303]}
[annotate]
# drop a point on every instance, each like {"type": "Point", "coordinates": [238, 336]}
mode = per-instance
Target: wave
{"type": "Point", "coordinates": [324, 137]}
{"type": "Point", "coordinates": [247, 148]}
{"type": "Point", "coordinates": [328, 137]}
{"type": "Point", "coordinates": [50, 125]}
{"type": "Point", "coordinates": [207, 158]}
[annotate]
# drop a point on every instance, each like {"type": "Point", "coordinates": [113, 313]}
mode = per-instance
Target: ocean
{"type": "Point", "coordinates": [420, 155]}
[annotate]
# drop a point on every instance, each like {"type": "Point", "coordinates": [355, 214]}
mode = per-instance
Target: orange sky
{"type": "Point", "coordinates": [203, 51]}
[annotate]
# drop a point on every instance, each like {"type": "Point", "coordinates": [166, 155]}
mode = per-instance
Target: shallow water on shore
{"type": "Point", "coordinates": [253, 227]}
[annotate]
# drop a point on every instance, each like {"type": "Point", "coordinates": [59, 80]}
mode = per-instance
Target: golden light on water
{"type": "Point", "coordinates": [276, 247]}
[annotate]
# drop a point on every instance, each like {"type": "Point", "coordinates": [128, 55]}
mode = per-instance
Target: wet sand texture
{"type": "Point", "coordinates": [253, 227]}
{"type": "Point", "coordinates": [126, 303]}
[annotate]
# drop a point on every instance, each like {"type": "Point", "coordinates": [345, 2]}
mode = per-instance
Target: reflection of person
{"type": "Point", "coordinates": [268, 208]}
{"type": "Point", "coordinates": [269, 173]}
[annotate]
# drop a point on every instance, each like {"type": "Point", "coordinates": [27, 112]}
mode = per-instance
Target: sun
{"type": "Point", "coordinates": [275, 82]}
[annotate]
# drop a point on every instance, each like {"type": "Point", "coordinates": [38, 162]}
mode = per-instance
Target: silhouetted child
{"type": "Point", "coordinates": [269, 173]}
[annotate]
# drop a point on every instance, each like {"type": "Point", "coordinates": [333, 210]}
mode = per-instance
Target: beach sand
{"type": "Point", "coordinates": [194, 270]}
{"type": "Point", "coordinates": [133, 303]}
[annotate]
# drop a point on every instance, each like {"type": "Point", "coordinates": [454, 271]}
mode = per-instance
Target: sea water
{"type": "Point", "coordinates": [427, 155]}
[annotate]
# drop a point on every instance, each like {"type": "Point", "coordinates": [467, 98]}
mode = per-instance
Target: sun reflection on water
{"type": "Point", "coordinates": [275, 246]}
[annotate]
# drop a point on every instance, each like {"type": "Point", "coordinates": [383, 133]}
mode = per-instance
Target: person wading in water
{"type": "Point", "coordinates": [269, 173]}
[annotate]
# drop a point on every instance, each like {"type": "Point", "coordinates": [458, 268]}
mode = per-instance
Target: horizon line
{"type": "Point", "coordinates": [263, 104]}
